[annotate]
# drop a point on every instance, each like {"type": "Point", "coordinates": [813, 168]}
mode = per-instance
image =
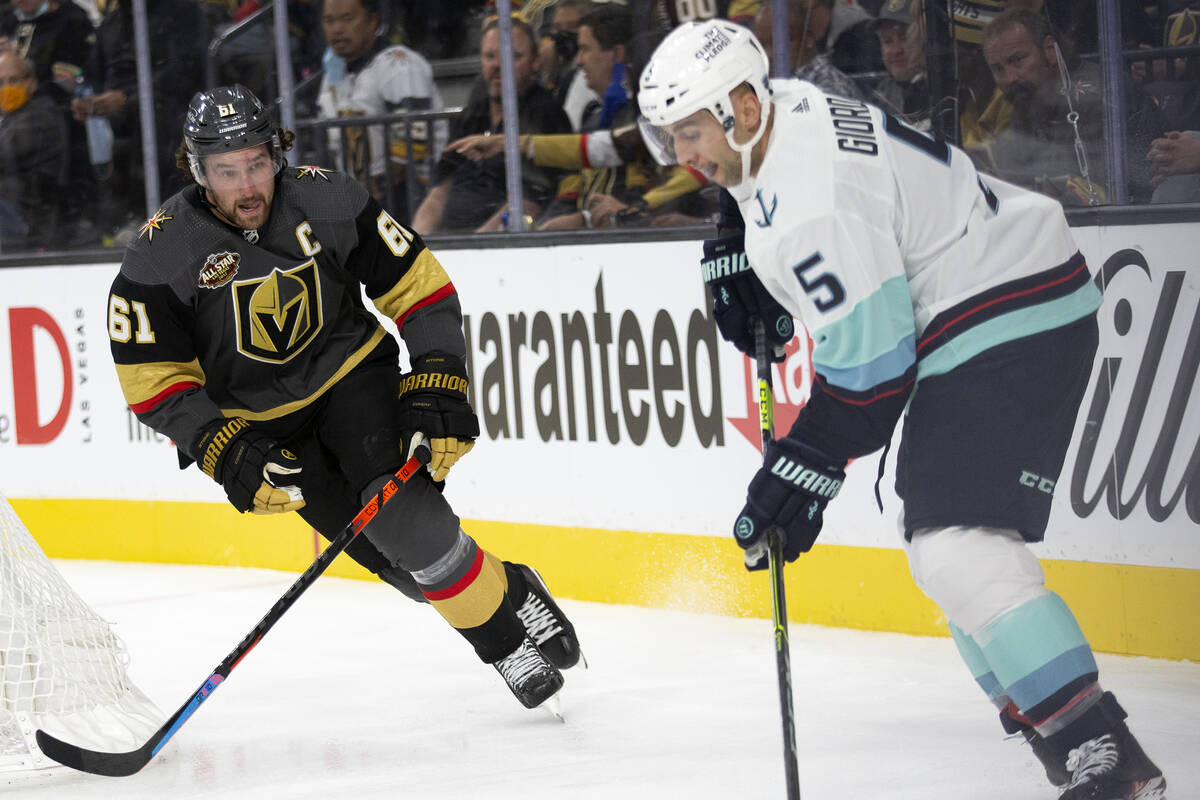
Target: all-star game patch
{"type": "Point", "coordinates": [218, 270]}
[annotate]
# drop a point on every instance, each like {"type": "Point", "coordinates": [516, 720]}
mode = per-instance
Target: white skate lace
{"type": "Point", "coordinates": [1092, 758]}
{"type": "Point", "coordinates": [521, 664]}
{"type": "Point", "coordinates": [540, 622]}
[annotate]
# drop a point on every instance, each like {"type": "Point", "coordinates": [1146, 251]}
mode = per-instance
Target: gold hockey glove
{"type": "Point", "coordinates": [256, 473]}
{"type": "Point", "coordinates": [433, 401]}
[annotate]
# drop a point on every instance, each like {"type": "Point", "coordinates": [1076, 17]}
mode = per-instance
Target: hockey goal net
{"type": "Point", "coordinates": [62, 669]}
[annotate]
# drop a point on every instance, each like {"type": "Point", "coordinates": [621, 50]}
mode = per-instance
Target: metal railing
{"type": "Point", "coordinates": [313, 145]}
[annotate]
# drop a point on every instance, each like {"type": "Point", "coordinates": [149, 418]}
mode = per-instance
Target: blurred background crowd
{"type": "Point", "coordinates": [406, 96]}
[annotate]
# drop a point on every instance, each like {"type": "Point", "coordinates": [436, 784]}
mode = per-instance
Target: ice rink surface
{"type": "Point", "coordinates": [358, 693]}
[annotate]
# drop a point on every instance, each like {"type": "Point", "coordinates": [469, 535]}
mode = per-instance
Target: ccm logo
{"type": "Point", "coordinates": [1034, 481]}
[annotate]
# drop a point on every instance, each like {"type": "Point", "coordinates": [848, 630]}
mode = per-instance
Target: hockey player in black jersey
{"type": "Point", "coordinates": [238, 329]}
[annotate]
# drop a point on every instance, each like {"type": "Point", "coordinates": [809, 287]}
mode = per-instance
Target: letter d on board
{"type": "Point", "coordinates": [21, 324]}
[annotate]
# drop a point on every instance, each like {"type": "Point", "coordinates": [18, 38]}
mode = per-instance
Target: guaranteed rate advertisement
{"type": "Point", "coordinates": [608, 400]}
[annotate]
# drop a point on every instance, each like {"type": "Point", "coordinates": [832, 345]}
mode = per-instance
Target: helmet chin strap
{"type": "Point", "coordinates": [741, 191]}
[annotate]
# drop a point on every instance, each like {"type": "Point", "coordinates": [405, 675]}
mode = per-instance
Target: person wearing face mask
{"type": "Point", "coordinates": [33, 157]}
{"type": "Point", "coordinates": [55, 36]}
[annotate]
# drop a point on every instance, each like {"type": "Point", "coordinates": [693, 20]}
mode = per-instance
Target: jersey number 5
{"type": "Point", "coordinates": [833, 294]}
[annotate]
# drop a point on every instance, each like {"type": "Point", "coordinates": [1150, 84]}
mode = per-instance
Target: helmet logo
{"type": "Point", "coordinates": [279, 314]}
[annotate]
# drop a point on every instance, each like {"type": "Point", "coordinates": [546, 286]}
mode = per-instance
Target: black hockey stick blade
{"type": "Point", "coordinates": [122, 764]}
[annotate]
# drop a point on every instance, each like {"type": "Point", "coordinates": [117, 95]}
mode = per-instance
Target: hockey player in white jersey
{"type": "Point", "coordinates": [928, 287]}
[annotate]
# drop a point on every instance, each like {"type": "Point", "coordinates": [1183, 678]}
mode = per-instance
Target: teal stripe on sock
{"type": "Point", "coordinates": [1036, 648]}
{"type": "Point", "coordinates": [972, 656]}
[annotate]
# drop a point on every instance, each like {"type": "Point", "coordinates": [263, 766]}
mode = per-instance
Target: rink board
{"type": "Point", "coordinates": [618, 436]}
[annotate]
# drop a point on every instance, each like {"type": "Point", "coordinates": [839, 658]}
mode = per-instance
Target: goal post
{"type": "Point", "coordinates": [62, 669]}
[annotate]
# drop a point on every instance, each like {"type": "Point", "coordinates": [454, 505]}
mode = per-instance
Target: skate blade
{"type": "Point", "coordinates": [553, 705]}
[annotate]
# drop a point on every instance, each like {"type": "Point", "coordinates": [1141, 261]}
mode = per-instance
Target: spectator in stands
{"type": "Point", "coordinates": [625, 194]}
{"type": "Point", "coordinates": [905, 90]}
{"type": "Point", "coordinates": [176, 66]}
{"type": "Point", "coordinates": [1175, 167]}
{"type": "Point", "coordinates": [557, 47]}
{"type": "Point", "coordinates": [1039, 148]}
{"type": "Point", "coordinates": [809, 23]}
{"type": "Point", "coordinates": [466, 195]}
{"type": "Point", "coordinates": [56, 36]}
{"type": "Point", "coordinates": [364, 75]}
{"type": "Point", "coordinates": [33, 158]}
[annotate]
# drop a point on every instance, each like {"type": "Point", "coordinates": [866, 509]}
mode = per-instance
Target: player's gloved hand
{"type": "Point", "coordinates": [433, 399]}
{"type": "Point", "coordinates": [739, 298]}
{"type": "Point", "coordinates": [789, 492]}
{"type": "Point", "coordinates": [258, 475]}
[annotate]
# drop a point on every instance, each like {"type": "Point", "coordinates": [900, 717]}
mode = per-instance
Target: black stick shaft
{"type": "Point", "coordinates": [783, 659]}
{"type": "Point", "coordinates": [122, 764]}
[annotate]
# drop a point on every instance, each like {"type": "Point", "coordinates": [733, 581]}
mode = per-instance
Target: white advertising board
{"type": "Point", "coordinates": [608, 400]}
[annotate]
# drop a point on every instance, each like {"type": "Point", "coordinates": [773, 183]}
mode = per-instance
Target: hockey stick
{"type": "Point", "coordinates": [121, 764]}
{"type": "Point", "coordinates": [783, 659]}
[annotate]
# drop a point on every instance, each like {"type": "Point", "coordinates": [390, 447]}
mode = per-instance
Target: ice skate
{"type": "Point", "coordinates": [545, 622]}
{"type": "Point", "coordinates": [1113, 767]}
{"type": "Point", "coordinates": [529, 674]}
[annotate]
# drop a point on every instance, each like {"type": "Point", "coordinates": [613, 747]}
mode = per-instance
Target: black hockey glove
{"type": "Point", "coordinates": [258, 475]}
{"type": "Point", "coordinates": [739, 298]}
{"type": "Point", "coordinates": [433, 400]}
{"type": "Point", "coordinates": [790, 492]}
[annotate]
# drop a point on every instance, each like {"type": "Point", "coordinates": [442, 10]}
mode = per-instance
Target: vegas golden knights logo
{"type": "Point", "coordinates": [279, 314]}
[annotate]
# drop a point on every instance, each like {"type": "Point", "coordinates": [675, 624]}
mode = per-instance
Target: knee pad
{"type": "Point", "coordinates": [974, 574]}
{"type": "Point", "coordinates": [416, 527]}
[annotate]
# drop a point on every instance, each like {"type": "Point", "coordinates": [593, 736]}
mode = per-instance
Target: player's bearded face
{"type": "Point", "coordinates": [241, 185]}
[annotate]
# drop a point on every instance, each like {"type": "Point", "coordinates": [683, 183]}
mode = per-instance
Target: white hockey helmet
{"type": "Point", "coordinates": [695, 68]}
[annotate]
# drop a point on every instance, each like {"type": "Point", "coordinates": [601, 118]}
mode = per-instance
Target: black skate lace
{"type": "Point", "coordinates": [1092, 758]}
{"type": "Point", "coordinates": [522, 664]}
{"type": "Point", "coordinates": [540, 622]}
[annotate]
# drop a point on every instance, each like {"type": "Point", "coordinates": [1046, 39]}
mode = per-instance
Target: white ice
{"type": "Point", "coordinates": [359, 693]}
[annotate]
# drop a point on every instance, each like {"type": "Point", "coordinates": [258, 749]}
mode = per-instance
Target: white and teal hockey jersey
{"type": "Point", "coordinates": [898, 257]}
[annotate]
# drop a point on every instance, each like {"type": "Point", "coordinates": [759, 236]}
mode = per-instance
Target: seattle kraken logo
{"type": "Point", "coordinates": [279, 314]}
{"type": "Point", "coordinates": [768, 216]}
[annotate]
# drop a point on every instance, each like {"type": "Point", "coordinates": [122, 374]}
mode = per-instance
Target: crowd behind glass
{"type": "Point", "coordinates": [1019, 85]}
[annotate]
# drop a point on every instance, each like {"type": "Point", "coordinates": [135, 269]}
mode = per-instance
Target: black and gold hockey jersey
{"type": "Point", "coordinates": [206, 320]}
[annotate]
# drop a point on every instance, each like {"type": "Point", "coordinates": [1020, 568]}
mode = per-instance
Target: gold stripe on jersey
{"type": "Point", "coordinates": [422, 279]}
{"type": "Point", "coordinates": [680, 182]}
{"type": "Point", "coordinates": [142, 382]}
{"type": "Point", "coordinates": [350, 363]}
{"type": "Point", "coordinates": [558, 150]}
{"type": "Point", "coordinates": [970, 17]}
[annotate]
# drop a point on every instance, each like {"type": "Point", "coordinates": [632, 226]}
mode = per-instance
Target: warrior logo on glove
{"type": "Point", "coordinates": [433, 401]}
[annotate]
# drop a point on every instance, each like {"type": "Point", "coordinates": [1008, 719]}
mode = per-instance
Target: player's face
{"type": "Point", "coordinates": [241, 185]}
{"type": "Point", "coordinates": [349, 28]}
{"type": "Point", "coordinates": [1019, 66]}
{"type": "Point", "coordinates": [699, 142]}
